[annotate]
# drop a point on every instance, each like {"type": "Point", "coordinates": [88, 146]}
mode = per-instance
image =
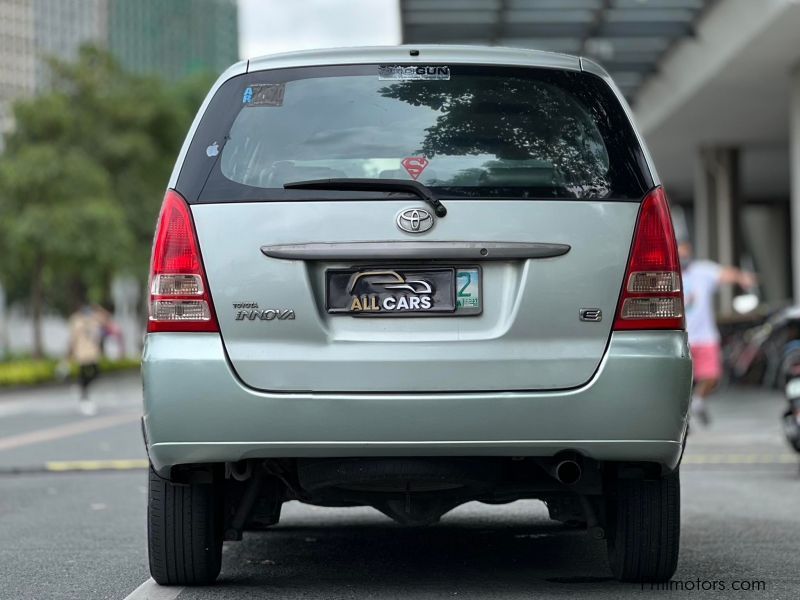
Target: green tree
{"type": "Point", "coordinates": [58, 213]}
{"type": "Point", "coordinates": [83, 177]}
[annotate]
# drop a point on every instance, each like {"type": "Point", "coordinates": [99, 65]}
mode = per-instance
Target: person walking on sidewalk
{"type": "Point", "coordinates": [85, 332]}
{"type": "Point", "coordinates": [701, 279]}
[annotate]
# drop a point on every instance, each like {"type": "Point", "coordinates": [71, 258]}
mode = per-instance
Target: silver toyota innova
{"type": "Point", "coordinates": [410, 278]}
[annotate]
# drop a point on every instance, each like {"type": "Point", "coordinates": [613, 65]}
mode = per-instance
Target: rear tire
{"type": "Point", "coordinates": [644, 528]}
{"type": "Point", "coordinates": [184, 532]}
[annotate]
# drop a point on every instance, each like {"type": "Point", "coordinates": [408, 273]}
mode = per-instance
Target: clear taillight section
{"type": "Point", "coordinates": [651, 308]}
{"type": "Point", "coordinates": [174, 284]}
{"type": "Point", "coordinates": [179, 310]}
{"type": "Point", "coordinates": [652, 297]}
{"type": "Point", "coordinates": [179, 298]}
{"type": "Point", "coordinates": [652, 282]}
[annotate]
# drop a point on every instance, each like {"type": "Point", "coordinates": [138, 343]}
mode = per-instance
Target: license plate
{"type": "Point", "coordinates": [385, 292]}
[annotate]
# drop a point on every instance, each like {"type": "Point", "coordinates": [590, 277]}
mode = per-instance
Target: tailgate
{"type": "Point", "coordinates": [526, 335]}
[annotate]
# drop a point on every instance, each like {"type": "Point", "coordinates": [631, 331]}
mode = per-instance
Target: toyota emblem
{"type": "Point", "coordinates": [414, 220]}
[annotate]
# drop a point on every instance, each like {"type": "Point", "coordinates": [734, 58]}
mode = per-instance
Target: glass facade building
{"type": "Point", "coordinates": [174, 38]}
{"type": "Point", "coordinates": [171, 38]}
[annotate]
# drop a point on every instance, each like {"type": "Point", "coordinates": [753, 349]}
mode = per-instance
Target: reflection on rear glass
{"type": "Point", "coordinates": [472, 131]}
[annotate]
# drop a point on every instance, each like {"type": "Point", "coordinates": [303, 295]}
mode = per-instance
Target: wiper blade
{"type": "Point", "coordinates": [373, 185]}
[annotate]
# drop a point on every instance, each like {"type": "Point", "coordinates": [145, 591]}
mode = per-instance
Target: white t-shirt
{"type": "Point", "coordinates": [700, 281]}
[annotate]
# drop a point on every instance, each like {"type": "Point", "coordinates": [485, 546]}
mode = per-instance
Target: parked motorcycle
{"type": "Point", "coordinates": [757, 355]}
{"type": "Point", "coordinates": [790, 368]}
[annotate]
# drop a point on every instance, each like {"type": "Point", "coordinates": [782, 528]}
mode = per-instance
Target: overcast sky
{"type": "Point", "coordinates": [269, 26]}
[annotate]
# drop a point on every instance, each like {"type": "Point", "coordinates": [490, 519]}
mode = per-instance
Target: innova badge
{"type": "Point", "coordinates": [414, 220]}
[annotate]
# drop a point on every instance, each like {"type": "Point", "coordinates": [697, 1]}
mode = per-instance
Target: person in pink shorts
{"type": "Point", "coordinates": [701, 278]}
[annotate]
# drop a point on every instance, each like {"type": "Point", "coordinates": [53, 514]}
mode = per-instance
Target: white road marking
{"type": "Point", "coordinates": [740, 459]}
{"type": "Point", "coordinates": [61, 431]}
{"type": "Point", "coordinates": [150, 590]}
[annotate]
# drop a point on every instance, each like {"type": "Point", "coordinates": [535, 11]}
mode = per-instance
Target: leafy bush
{"type": "Point", "coordinates": [27, 372]}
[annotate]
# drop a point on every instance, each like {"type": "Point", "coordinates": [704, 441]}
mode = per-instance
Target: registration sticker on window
{"type": "Point", "coordinates": [468, 291]}
{"type": "Point", "coordinates": [265, 94]}
{"type": "Point", "coordinates": [415, 73]}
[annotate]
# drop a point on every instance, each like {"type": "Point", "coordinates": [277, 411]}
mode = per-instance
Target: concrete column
{"type": "Point", "coordinates": [125, 292]}
{"type": "Point", "coordinates": [717, 230]}
{"type": "Point", "coordinates": [705, 231]}
{"type": "Point", "coordinates": [728, 234]}
{"type": "Point", "coordinates": [794, 158]}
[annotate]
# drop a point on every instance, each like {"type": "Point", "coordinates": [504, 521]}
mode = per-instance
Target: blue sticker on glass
{"type": "Point", "coordinates": [264, 94]}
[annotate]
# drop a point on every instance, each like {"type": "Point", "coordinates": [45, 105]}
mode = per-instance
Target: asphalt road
{"type": "Point", "coordinates": [69, 532]}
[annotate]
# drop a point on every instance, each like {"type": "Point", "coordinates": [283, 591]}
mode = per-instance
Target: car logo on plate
{"type": "Point", "coordinates": [390, 280]}
{"type": "Point", "coordinates": [414, 220]}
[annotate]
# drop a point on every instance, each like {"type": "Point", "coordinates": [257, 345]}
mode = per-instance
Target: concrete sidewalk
{"type": "Point", "coordinates": [39, 426]}
{"type": "Point", "coordinates": [745, 429]}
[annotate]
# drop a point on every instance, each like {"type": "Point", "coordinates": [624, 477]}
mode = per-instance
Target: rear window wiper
{"type": "Point", "coordinates": [373, 185]}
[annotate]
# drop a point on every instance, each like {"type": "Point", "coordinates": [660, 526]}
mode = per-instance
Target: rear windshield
{"type": "Point", "coordinates": [465, 131]}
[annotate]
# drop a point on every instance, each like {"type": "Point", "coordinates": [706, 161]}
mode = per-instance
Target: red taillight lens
{"type": "Point", "coordinates": [651, 295]}
{"type": "Point", "coordinates": [179, 298]}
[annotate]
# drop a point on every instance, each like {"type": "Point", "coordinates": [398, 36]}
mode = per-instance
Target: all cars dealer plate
{"type": "Point", "coordinates": [403, 291]}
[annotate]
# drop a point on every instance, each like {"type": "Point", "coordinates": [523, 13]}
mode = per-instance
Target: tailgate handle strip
{"type": "Point", "coordinates": [415, 250]}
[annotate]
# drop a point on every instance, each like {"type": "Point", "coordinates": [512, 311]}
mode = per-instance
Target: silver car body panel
{"type": "Point", "coordinates": [530, 337]}
{"type": "Point", "coordinates": [633, 409]}
{"type": "Point", "coordinates": [428, 53]}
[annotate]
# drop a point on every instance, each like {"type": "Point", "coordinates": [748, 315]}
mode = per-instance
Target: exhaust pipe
{"type": "Point", "coordinates": [568, 472]}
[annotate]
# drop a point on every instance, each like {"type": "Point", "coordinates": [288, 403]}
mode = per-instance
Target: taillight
{"type": "Point", "coordinates": [179, 298]}
{"type": "Point", "coordinates": [652, 297]}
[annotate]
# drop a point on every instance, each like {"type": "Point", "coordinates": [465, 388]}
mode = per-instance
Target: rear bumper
{"type": "Point", "coordinates": [633, 409]}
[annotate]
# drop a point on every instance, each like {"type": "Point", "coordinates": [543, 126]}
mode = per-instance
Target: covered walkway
{"type": "Point", "coordinates": [715, 87]}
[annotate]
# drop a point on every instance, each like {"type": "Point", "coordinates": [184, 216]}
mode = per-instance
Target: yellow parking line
{"type": "Point", "coordinates": [96, 465]}
{"type": "Point", "coordinates": [740, 459]}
